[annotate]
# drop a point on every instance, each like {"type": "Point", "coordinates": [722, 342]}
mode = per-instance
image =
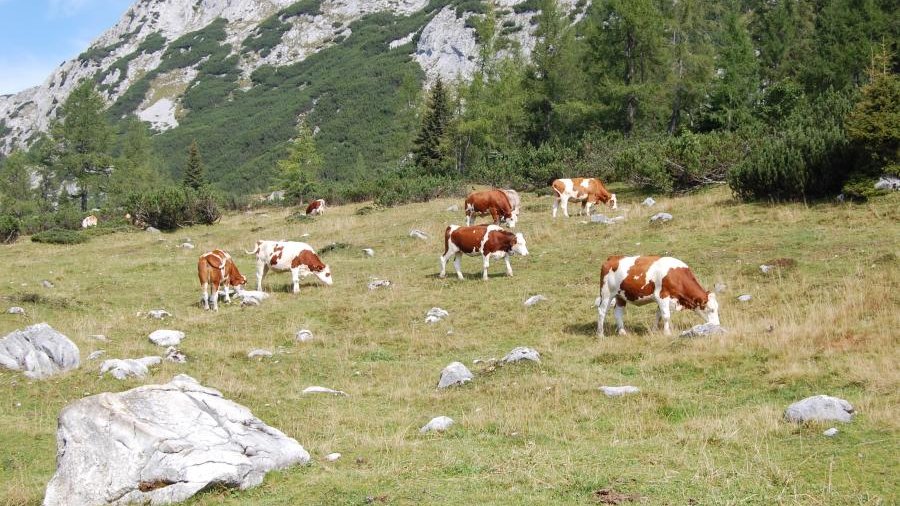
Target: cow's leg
{"type": "Point", "coordinates": [295, 279]}
{"type": "Point", "coordinates": [508, 266]}
{"type": "Point", "coordinates": [446, 256]}
{"type": "Point", "coordinates": [495, 215]}
{"type": "Point", "coordinates": [225, 288]}
{"type": "Point", "coordinates": [620, 316]}
{"type": "Point", "coordinates": [215, 296]}
{"type": "Point", "coordinates": [470, 216]}
{"type": "Point", "coordinates": [585, 204]}
{"type": "Point", "coordinates": [204, 301]}
{"type": "Point", "coordinates": [457, 264]}
{"type": "Point", "coordinates": [260, 273]}
{"type": "Point", "coordinates": [602, 308]}
{"type": "Point", "coordinates": [487, 263]}
{"type": "Point", "coordinates": [665, 312]}
{"type": "Point", "coordinates": [555, 205]}
{"type": "Point", "coordinates": [565, 205]}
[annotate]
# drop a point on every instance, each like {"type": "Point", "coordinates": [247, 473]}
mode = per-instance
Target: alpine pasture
{"type": "Point", "coordinates": [706, 428]}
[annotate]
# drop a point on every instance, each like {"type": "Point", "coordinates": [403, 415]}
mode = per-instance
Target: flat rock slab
{"type": "Point", "coordinates": [660, 218]}
{"type": "Point", "coordinates": [704, 329]}
{"type": "Point", "coordinates": [15, 310]}
{"type": "Point", "coordinates": [820, 408]}
{"type": "Point", "coordinates": [128, 367]}
{"type": "Point", "coordinates": [437, 424]}
{"type": "Point", "coordinates": [522, 353]}
{"type": "Point", "coordinates": [619, 391]}
{"type": "Point", "coordinates": [454, 374]}
{"type": "Point", "coordinates": [745, 297]}
{"type": "Point", "coordinates": [534, 299]}
{"type": "Point", "coordinates": [379, 283]}
{"type": "Point", "coordinates": [158, 314]}
{"type": "Point", "coordinates": [164, 337]}
{"type": "Point", "coordinates": [418, 234]}
{"type": "Point", "coordinates": [39, 351]}
{"type": "Point", "coordinates": [259, 353]}
{"type": "Point", "coordinates": [602, 218]}
{"type": "Point", "coordinates": [323, 390]}
{"type": "Point", "coordinates": [160, 444]}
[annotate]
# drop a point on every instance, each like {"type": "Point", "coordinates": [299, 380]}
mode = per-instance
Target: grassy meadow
{"type": "Point", "coordinates": [706, 428]}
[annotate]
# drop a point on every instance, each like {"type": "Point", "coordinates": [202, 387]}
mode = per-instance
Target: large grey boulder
{"type": "Point", "coordinates": [161, 444]}
{"type": "Point", "coordinates": [454, 374]}
{"type": "Point", "coordinates": [128, 367]}
{"type": "Point", "coordinates": [820, 408]}
{"type": "Point", "coordinates": [38, 351]}
{"type": "Point", "coordinates": [888, 183]}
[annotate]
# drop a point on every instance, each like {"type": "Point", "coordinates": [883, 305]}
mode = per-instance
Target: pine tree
{"type": "Point", "coordinates": [874, 122]}
{"type": "Point", "coordinates": [690, 58]}
{"type": "Point", "coordinates": [429, 157]}
{"type": "Point", "coordinates": [135, 169]}
{"type": "Point", "coordinates": [299, 171]}
{"type": "Point", "coordinates": [733, 94]}
{"type": "Point", "coordinates": [193, 173]}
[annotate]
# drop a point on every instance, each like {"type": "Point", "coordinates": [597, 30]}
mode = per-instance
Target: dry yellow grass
{"type": "Point", "coordinates": [706, 427]}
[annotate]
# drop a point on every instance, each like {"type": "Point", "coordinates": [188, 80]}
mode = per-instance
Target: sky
{"type": "Point", "coordinates": [37, 35]}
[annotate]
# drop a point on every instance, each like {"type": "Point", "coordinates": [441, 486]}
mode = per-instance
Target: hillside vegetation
{"type": "Point", "coordinates": [706, 428]}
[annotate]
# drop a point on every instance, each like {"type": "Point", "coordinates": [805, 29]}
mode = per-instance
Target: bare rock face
{"type": "Point", "coordinates": [160, 444]}
{"type": "Point", "coordinates": [455, 374]}
{"type": "Point", "coordinates": [820, 408]}
{"type": "Point", "coordinates": [38, 351]}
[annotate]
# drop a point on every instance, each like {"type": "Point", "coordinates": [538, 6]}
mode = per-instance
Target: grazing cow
{"type": "Point", "coordinates": [217, 268]}
{"type": "Point", "coordinates": [489, 241]}
{"type": "Point", "coordinates": [297, 257]}
{"type": "Point", "coordinates": [316, 207]}
{"type": "Point", "coordinates": [89, 221]}
{"type": "Point", "coordinates": [588, 190]}
{"type": "Point", "coordinates": [642, 279]}
{"type": "Point", "coordinates": [500, 204]}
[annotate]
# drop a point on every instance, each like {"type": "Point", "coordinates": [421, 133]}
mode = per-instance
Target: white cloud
{"type": "Point", "coordinates": [23, 71]}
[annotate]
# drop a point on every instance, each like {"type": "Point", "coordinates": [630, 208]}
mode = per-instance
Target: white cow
{"type": "Point", "coordinates": [297, 257]}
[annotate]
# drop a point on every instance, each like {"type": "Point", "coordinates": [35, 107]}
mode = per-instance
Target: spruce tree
{"type": "Point", "coordinates": [299, 171]}
{"type": "Point", "coordinates": [429, 157]}
{"type": "Point", "coordinates": [193, 173]}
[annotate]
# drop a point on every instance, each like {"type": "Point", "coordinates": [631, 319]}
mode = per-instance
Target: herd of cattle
{"type": "Point", "coordinates": [636, 279]}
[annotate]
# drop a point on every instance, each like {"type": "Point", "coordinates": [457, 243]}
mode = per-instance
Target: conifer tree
{"type": "Point", "coordinates": [193, 173]}
{"type": "Point", "coordinates": [429, 157]}
{"type": "Point", "coordinates": [299, 171]}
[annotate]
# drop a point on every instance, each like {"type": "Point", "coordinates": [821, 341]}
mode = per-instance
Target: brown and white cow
{"type": "Point", "coordinates": [282, 256]}
{"type": "Point", "coordinates": [642, 279]}
{"type": "Point", "coordinates": [489, 241]}
{"type": "Point", "coordinates": [588, 190]}
{"type": "Point", "coordinates": [89, 221]}
{"type": "Point", "coordinates": [316, 207]}
{"type": "Point", "coordinates": [217, 268]}
{"type": "Point", "coordinates": [500, 204]}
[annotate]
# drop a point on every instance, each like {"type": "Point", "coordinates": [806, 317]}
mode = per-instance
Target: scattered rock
{"type": "Point", "coordinates": [164, 337]}
{"type": "Point", "coordinates": [720, 287]}
{"type": "Point", "coordinates": [437, 424]}
{"type": "Point", "coordinates": [454, 374]}
{"type": "Point", "coordinates": [766, 269]}
{"type": "Point", "coordinates": [173, 354]}
{"type": "Point", "coordinates": [534, 299]}
{"type": "Point", "coordinates": [820, 408]}
{"type": "Point", "coordinates": [453, 209]}
{"type": "Point", "coordinates": [660, 218]}
{"type": "Point", "coordinates": [619, 391]}
{"type": "Point", "coordinates": [649, 202]}
{"type": "Point", "coordinates": [259, 353]}
{"type": "Point", "coordinates": [840, 197]}
{"type": "Point", "coordinates": [159, 444]}
{"type": "Point", "coordinates": [888, 183]}
{"type": "Point", "coordinates": [435, 314]}
{"type": "Point", "coordinates": [379, 283]}
{"type": "Point", "coordinates": [600, 218]}
{"type": "Point", "coordinates": [323, 390]}
{"type": "Point", "coordinates": [704, 329]}
{"type": "Point", "coordinates": [304, 335]}
{"type": "Point", "coordinates": [186, 245]}
{"type": "Point", "coordinates": [38, 351]}
{"type": "Point", "coordinates": [124, 368]}
{"type": "Point", "coordinates": [418, 234]}
{"type": "Point", "coordinates": [152, 230]}
{"type": "Point", "coordinates": [96, 354]}
{"type": "Point", "coordinates": [249, 301]}
{"type": "Point", "coordinates": [522, 353]}
{"type": "Point", "coordinates": [745, 297]}
{"type": "Point", "coordinates": [47, 283]}
{"type": "Point", "coordinates": [830, 432]}
{"type": "Point", "coordinates": [16, 310]}
{"type": "Point", "coordinates": [331, 457]}
{"type": "Point", "coordinates": [369, 252]}
{"type": "Point", "coordinates": [99, 337]}
{"type": "Point", "coordinates": [256, 294]}
{"type": "Point", "coordinates": [159, 314]}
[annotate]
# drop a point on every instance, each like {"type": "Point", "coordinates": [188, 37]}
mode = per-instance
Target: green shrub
{"type": "Point", "coordinates": [401, 189]}
{"type": "Point", "coordinates": [59, 236]}
{"type": "Point", "coordinates": [9, 229]}
{"type": "Point", "coordinates": [174, 207]}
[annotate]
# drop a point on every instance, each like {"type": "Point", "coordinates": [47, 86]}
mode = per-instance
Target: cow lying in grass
{"type": "Point", "coordinates": [489, 241]}
{"type": "Point", "coordinates": [642, 279]}
{"type": "Point", "coordinates": [282, 256]}
{"type": "Point", "coordinates": [217, 268]}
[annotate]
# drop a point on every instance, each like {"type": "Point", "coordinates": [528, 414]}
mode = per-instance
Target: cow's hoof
{"type": "Point", "coordinates": [442, 276]}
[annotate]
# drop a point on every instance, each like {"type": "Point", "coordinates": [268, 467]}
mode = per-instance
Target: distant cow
{"type": "Point", "coordinates": [642, 279]}
{"type": "Point", "coordinates": [217, 268]}
{"type": "Point", "coordinates": [588, 190]}
{"type": "Point", "coordinates": [316, 207]}
{"type": "Point", "coordinates": [488, 241]}
{"type": "Point", "coordinates": [500, 204]}
{"type": "Point", "coordinates": [297, 257]}
{"type": "Point", "coordinates": [89, 221]}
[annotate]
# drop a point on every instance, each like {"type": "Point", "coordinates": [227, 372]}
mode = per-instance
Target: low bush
{"type": "Point", "coordinates": [9, 229]}
{"type": "Point", "coordinates": [59, 236]}
{"type": "Point", "coordinates": [174, 207]}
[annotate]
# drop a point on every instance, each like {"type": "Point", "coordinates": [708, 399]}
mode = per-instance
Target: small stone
{"type": "Point", "coordinates": [124, 368]}
{"type": "Point", "coordinates": [619, 391]}
{"type": "Point", "coordinates": [435, 314]}
{"type": "Point", "coordinates": [304, 335]}
{"type": "Point", "coordinates": [15, 310]}
{"type": "Point", "coordinates": [453, 209]}
{"type": "Point", "coordinates": [418, 234]}
{"type": "Point", "coordinates": [600, 218]}
{"type": "Point", "coordinates": [159, 314]}
{"type": "Point", "coordinates": [152, 230]}
{"type": "Point", "coordinates": [96, 354]}
{"type": "Point", "coordinates": [745, 297]}
{"type": "Point", "coordinates": [454, 374]}
{"type": "Point", "coordinates": [437, 424]}
{"type": "Point", "coordinates": [259, 353]}
{"type": "Point", "coordinates": [820, 408]}
{"type": "Point", "coordinates": [323, 390]}
{"type": "Point", "coordinates": [331, 457]}
{"type": "Point", "coordinates": [47, 283]}
{"type": "Point", "coordinates": [720, 287]}
{"type": "Point", "coordinates": [186, 245]}
{"type": "Point", "coordinates": [164, 337]}
{"type": "Point", "coordinates": [534, 299]}
{"type": "Point", "coordinates": [660, 218]}
{"type": "Point", "coordinates": [704, 329]}
{"type": "Point", "coordinates": [766, 269]}
{"type": "Point", "coordinates": [173, 354]}
{"type": "Point", "coordinates": [369, 252]}
{"type": "Point", "coordinates": [830, 432]}
{"type": "Point", "coordinates": [648, 202]}
{"type": "Point", "coordinates": [99, 337]}
{"type": "Point", "coordinates": [379, 283]}
{"type": "Point", "coordinates": [522, 353]}
{"type": "Point", "coordinates": [249, 301]}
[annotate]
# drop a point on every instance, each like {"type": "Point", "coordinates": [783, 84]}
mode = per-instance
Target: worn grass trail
{"type": "Point", "coordinates": [706, 428]}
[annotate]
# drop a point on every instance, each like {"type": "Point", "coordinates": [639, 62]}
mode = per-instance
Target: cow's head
{"type": "Point", "coordinates": [710, 310]}
{"type": "Point", "coordinates": [513, 218]}
{"type": "Point", "coordinates": [324, 275]}
{"type": "Point", "coordinates": [519, 246]}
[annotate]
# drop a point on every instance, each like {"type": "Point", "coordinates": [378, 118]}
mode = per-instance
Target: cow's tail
{"type": "Point", "coordinates": [255, 250]}
{"type": "Point", "coordinates": [556, 189]}
{"type": "Point", "coordinates": [447, 233]}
